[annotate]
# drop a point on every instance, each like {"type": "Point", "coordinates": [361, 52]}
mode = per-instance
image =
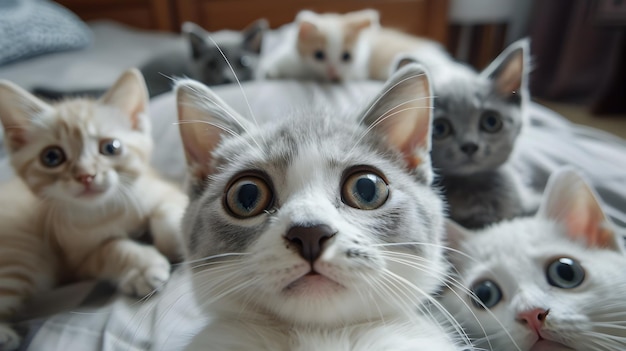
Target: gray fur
{"type": "Point", "coordinates": [480, 188]}
{"type": "Point", "coordinates": [305, 158]}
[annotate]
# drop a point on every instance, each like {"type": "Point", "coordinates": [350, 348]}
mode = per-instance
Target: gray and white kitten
{"type": "Point", "coordinates": [317, 230]}
{"type": "Point", "coordinates": [213, 58]}
{"type": "Point", "coordinates": [478, 118]}
{"type": "Point", "coordinates": [550, 282]}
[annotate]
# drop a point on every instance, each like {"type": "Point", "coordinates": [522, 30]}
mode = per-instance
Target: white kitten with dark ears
{"type": "Point", "coordinates": [317, 230]}
{"type": "Point", "coordinates": [551, 282]}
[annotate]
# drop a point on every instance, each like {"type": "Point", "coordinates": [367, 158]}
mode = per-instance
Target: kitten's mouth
{"type": "Point", "coordinates": [547, 345]}
{"type": "Point", "coordinates": [91, 192]}
{"type": "Point", "coordinates": [313, 283]}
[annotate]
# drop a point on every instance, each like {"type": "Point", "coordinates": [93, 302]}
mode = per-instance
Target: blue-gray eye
{"type": "Point", "coordinates": [248, 196]}
{"type": "Point", "coordinates": [110, 147]}
{"type": "Point", "coordinates": [565, 273]}
{"type": "Point", "coordinates": [490, 121]}
{"type": "Point", "coordinates": [441, 128]}
{"type": "Point", "coordinates": [364, 190]}
{"type": "Point", "coordinates": [319, 55]}
{"type": "Point", "coordinates": [488, 293]}
{"type": "Point", "coordinates": [52, 156]}
{"type": "Point", "coordinates": [345, 57]}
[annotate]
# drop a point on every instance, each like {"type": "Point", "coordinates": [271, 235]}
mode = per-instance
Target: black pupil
{"type": "Point", "coordinates": [319, 54]}
{"type": "Point", "coordinates": [440, 128]}
{"type": "Point", "coordinates": [346, 56]}
{"type": "Point", "coordinates": [366, 188]}
{"type": "Point", "coordinates": [52, 157]}
{"type": "Point", "coordinates": [483, 293]}
{"type": "Point", "coordinates": [248, 196]}
{"type": "Point", "coordinates": [565, 272]}
{"type": "Point", "coordinates": [110, 148]}
{"type": "Point", "coordinates": [491, 121]}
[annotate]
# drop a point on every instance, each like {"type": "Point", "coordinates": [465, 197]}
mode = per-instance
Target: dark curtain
{"type": "Point", "coordinates": [579, 53]}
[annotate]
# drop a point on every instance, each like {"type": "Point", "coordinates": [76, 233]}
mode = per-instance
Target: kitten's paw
{"type": "Point", "coordinates": [9, 340]}
{"type": "Point", "coordinates": [146, 278]}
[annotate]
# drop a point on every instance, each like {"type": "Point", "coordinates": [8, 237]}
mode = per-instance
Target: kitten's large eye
{"type": "Point", "coordinates": [248, 196]}
{"type": "Point", "coordinates": [488, 293]}
{"type": "Point", "coordinates": [110, 147]}
{"type": "Point", "coordinates": [365, 190]}
{"type": "Point", "coordinates": [441, 128]}
{"type": "Point", "coordinates": [491, 122]}
{"type": "Point", "coordinates": [565, 273]}
{"type": "Point", "coordinates": [319, 55]}
{"type": "Point", "coordinates": [346, 56]}
{"type": "Point", "coordinates": [52, 156]}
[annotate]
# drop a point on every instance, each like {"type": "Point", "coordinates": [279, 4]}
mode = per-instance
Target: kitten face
{"type": "Point", "coordinates": [329, 43]}
{"type": "Point", "coordinates": [240, 48]}
{"type": "Point", "coordinates": [78, 151]}
{"type": "Point", "coordinates": [478, 116]}
{"type": "Point", "coordinates": [553, 282]}
{"type": "Point", "coordinates": [312, 222]}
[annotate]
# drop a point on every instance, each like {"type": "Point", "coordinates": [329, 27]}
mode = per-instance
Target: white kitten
{"type": "Point", "coordinates": [329, 47]}
{"type": "Point", "coordinates": [552, 282]}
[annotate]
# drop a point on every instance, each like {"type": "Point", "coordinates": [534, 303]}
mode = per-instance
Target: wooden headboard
{"type": "Point", "coordinates": [420, 17]}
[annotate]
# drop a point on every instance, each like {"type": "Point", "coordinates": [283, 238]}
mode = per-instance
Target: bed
{"type": "Point", "coordinates": [92, 316]}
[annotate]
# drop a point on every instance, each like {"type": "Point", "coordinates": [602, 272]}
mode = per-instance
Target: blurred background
{"type": "Point", "coordinates": [578, 46]}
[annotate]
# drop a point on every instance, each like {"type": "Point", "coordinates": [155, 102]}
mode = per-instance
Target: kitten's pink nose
{"type": "Point", "coordinates": [86, 179]}
{"type": "Point", "coordinates": [332, 73]}
{"type": "Point", "coordinates": [309, 240]}
{"type": "Point", "coordinates": [533, 318]}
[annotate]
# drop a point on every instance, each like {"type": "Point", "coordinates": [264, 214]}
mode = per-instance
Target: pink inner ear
{"type": "Point", "coordinates": [590, 226]}
{"type": "Point", "coordinates": [306, 29]}
{"type": "Point", "coordinates": [17, 138]}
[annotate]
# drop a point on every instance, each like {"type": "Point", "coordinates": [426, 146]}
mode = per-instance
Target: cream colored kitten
{"type": "Point", "coordinates": [85, 190]}
{"type": "Point", "coordinates": [387, 44]}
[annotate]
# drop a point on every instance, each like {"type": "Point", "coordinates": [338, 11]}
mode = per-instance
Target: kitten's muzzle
{"type": "Point", "coordinates": [469, 148]}
{"type": "Point", "coordinates": [309, 241]}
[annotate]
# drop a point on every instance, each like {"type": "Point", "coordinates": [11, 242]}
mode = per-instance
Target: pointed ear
{"type": "Point", "coordinates": [402, 114]}
{"type": "Point", "coordinates": [130, 95]}
{"type": "Point", "coordinates": [204, 119]}
{"type": "Point", "coordinates": [196, 36]}
{"type": "Point", "coordinates": [17, 110]}
{"type": "Point", "coordinates": [570, 201]}
{"type": "Point", "coordinates": [253, 35]}
{"type": "Point", "coordinates": [359, 20]}
{"type": "Point", "coordinates": [306, 29]}
{"type": "Point", "coordinates": [455, 234]}
{"type": "Point", "coordinates": [400, 61]}
{"type": "Point", "coordinates": [509, 71]}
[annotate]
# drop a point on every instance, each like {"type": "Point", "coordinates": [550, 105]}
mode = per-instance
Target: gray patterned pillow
{"type": "Point", "coordinates": [33, 27]}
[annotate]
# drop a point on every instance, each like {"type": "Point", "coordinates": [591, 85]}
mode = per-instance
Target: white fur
{"type": "Point", "coordinates": [515, 254]}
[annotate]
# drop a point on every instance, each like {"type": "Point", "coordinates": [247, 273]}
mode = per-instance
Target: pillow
{"type": "Point", "coordinates": [33, 27]}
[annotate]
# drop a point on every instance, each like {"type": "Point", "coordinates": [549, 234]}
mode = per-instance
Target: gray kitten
{"type": "Point", "coordinates": [318, 230]}
{"type": "Point", "coordinates": [206, 60]}
{"type": "Point", "coordinates": [478, 118]}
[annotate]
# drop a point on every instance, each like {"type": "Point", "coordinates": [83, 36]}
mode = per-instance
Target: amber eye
{"type": "Point", "coordinates": [110, 147]}
{"type": "Point", "coordinates": [248, 196]}
{"type": "Point", "coordinates": [52, 156]}
{"type": "Point", "coordinates": [365, 190]}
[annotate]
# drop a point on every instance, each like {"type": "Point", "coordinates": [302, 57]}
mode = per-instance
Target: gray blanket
{"type": "Point", "coordinates": [93, 317]}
